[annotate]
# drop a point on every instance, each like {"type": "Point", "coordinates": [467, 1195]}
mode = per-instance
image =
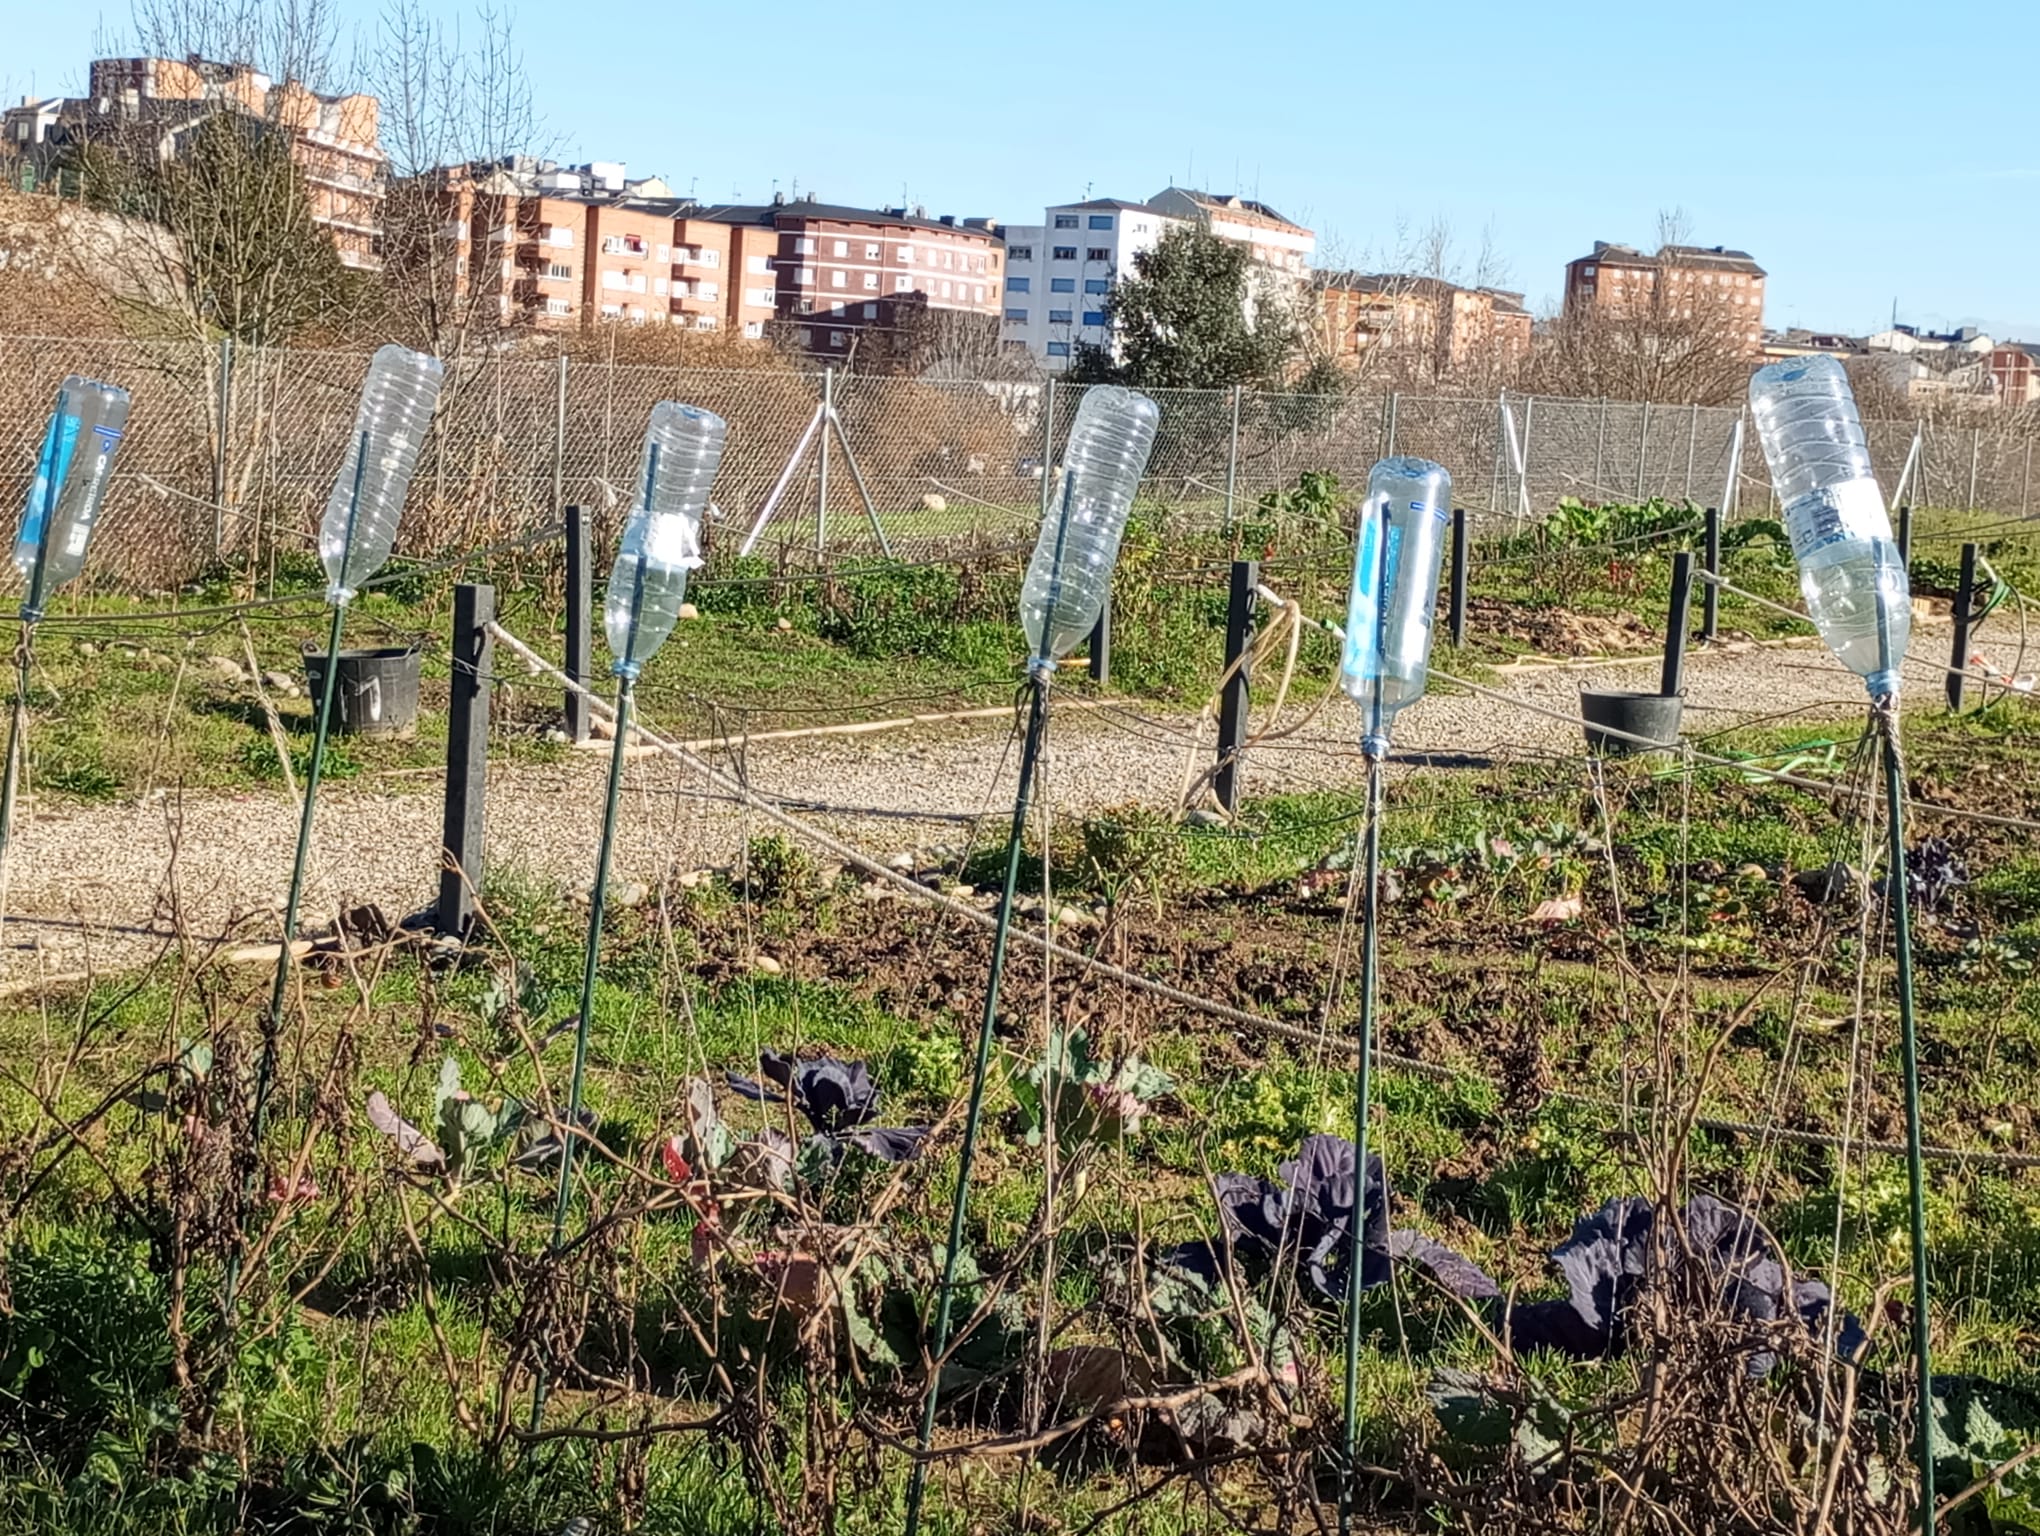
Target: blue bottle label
{"type": "Point", "coordinates": [53, 466]}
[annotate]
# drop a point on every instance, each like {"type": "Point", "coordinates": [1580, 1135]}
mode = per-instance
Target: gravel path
{"type": "Point", "coordinates": [95, 888]}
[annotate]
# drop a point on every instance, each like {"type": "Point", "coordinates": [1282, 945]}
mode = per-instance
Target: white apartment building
{"type": "Point", "coordinates": [1059, 271]}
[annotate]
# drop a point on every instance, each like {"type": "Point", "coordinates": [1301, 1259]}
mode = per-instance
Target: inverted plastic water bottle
{"type": "Point", "coordinates": [1850, 570]}
{"type": "Point", "coordinates": [68, 486]}
{"type": "Point", "coordinates": [662, 538]}
{"type": "Point", "coordinates": [1395, 585]}
{"type": "Point", "coordinates": [1070, 576]}
{"type": "Point", "coordinates": [360, 525]}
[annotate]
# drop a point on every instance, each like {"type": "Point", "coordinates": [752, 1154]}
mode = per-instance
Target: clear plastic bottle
{"type": "Point", "coordinates": [68, 486]}
{"type": "Point", "coordinates": [1850, 571]}
{"type": "Point", "coordinates": [662, 538]}
{"type": "Point", "coordinates": [1070, 576]}
{"type": "Point", "coordinates": [360, 526]}
{"type": "Point", "coordinates": [1395, 586]}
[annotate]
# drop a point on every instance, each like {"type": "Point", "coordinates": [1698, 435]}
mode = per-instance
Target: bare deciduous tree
{"type": "Point", "coordinates": [451, 102]}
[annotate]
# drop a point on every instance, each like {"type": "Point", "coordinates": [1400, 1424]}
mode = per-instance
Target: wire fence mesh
{"type": "Point", "coordinates": [233, 449]}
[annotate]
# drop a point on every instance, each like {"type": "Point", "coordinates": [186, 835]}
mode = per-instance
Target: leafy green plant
{"type": "Point", "coordinates": [1134, 850]}
{"type": "Point", "coordinates": [258, 759]}
{"type": "Point", "coordinates": [1091, 1099]}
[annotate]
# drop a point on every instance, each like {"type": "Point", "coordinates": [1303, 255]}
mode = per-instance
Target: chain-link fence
{"type": "Point", "coordinates": [232, 453]}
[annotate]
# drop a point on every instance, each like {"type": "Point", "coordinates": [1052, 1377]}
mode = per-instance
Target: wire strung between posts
{"type": "Point", "coordinates": [1317, 1039]}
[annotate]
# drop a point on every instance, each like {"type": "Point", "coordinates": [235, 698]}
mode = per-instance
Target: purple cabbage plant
{"type": "Point", "coordinates": [838, 1099]}
{"type": "Point", "coordinates": [1304, 1217]}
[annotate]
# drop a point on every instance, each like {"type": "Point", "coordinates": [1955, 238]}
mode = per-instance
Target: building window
{"type": "Point", "coordinates": [558, 307]}
{"type": "Point", "coordinates": [705, 322]}
{"type": "Point", "coordinates": [842, 247]}
{"type": "Point", "coordinates": [1058, 317]}
{"type": "Point", "coordinates": [1094, 317]}
{"type": "Point", "coordinates": [659, 286]}
{"type": "Point", "coordinates": [949, 260]}
{"type": "Point", "coordinates": [871, 250]}
{"type": "Point", "coordinates": [662, 254]}
{"type": "Point", "coordinates": [1017, 316]}
{"type": "Point", "coordinates": [1058, 349]}
{"type": "Point", "coordinates": [1097, 285]}
{"type": "Point", "coordinates": [1019, 284]}
{"type": "Point", "coordinates": [758, 264]}
{"type": "Point", "coordinates": [907, 254]}
{"type": "Point", "coordinates": [977, 293]}
{"type": "Point", "coordinates": [1066, 221]}
{"type": "Point", "coordinates": [871, 280]}
{"type": "Point", "coordinates": [1020, 253]}
{"type": "Point", "coordinates": [837, 338]}
{"type": "Point", "coordinates": [754, 329]}
{"type": "Point", "coordinates": [559, 234]}
{"type": "Point", "coordinates": [1062, 285]}
{"type": "Point", "coordinates": [558, 269]}
{"type": "Point", "coordinates": [612, 311]}
{"type": "Point", "coordinates": [1064, 253]}
{"type": "Point", "coordinates": [804, 245]}
{"type": "Point", "coordinates": [945, 290]}
{"type": "Point", "coordinates": [708, 290]}
{"type": "Point", "coordinates": [871, 311]}
{"type": "Point", "coordinates": [764, 297]}
{"type": "Point", "coordinates": [903, 284]}
{"type": "Point", "coordinates": [804, 336]}
{"type": "Point", "coordinates": [1101, 221]}
{"type": "Point", "coordinates": [1097, 253]}
{"type": "Point", "coordinates": [804, 275]}
{"type": "Point", "coordinates": [838, 279]}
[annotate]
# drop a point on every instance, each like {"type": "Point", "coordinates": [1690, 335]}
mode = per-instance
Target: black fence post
{"type": "Point", "coordinates": [1710, 600]}
{"type": "Point", "coordinates": [1676, 622]}
{"type": "Point", "coordinates": [1905, 536]}
{"type": "Point", "coordinates": [467, 756]}
{"type": "Point", "coordinates": [580, 608]}
{"type": "Point", "coordinates": [1232, 698]}
{"type": "Point", "coordinates": [1101, 643]}
{"type": "Point", "coordinates": [1965, 600]}
{"type": "Point", "coordinates": [1456, 608]}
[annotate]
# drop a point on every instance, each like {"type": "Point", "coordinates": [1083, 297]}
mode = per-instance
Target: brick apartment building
{"type": "Point", "coordinates": [1679, 282]}
{"type": "Point", "coordinates": [832, 271]}
{"type": "Point", "coordinates": [554, 248]}
{"type": "Point", "coordinates": [1444, 326]}
{"type": "Point", "coordinates": [2015, 373]}
{"type": "Point", "coordinates": [333, 139]}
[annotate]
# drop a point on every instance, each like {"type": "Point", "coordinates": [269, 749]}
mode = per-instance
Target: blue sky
{"type": "Point", "coordinates": [1864, 152]}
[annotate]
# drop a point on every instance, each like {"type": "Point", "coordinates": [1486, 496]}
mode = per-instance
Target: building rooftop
{"type": "Point", "coordinates": [769, 214]}
{"type": "Point", "coordinates": [1718, 258]}
{"type": "Point", "coordinates": [1118, 203]}
{"type": "Point", "coordinates": [1230, 201]}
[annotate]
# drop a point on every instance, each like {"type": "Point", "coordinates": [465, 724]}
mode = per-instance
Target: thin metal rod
{"type": "Point", "coordinates": [31, 612]}
{"type": "Point", "coordinates": [857, 477]}
{"type": "Point", "coordinates": [17, 717]}
{"type": "Point", "coordinates": [1363, 1091]}
{"type": "Point", "coordinates": [822, 485]}
{"type": "Point", "coordinates": [1908, 1034]}
{"type": "Point", "coordinates": [785, 479]}
{"type": "Point", "coordinates": [570, 1129]}
{"type": "Point", "coordinates": [272, 1026]}
{"type": "Point", "coordinates": [1037, 713]}
{"type": "Point", "coordinates": [1232, 460]}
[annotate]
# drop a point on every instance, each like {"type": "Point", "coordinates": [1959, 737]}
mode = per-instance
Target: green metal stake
{"type": "Point", "coordinates": [1362, 1094]}
{"type": "Point", "coordinates": [597, 895]}
{"type": "Point", "coordinates": [31, 613]}
{"type": "Point", "coordinates": [1908, 1034]}
{"type": "Point", "coordinates": [1037, 713]}
{"type": "Point", "coordinates": [272, 1029]}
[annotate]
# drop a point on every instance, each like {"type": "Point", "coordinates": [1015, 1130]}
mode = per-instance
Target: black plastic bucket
{"type": "Point", "coordinates": [376, 691]}
{"type": "Point", "coordinates": [1653, 716]}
